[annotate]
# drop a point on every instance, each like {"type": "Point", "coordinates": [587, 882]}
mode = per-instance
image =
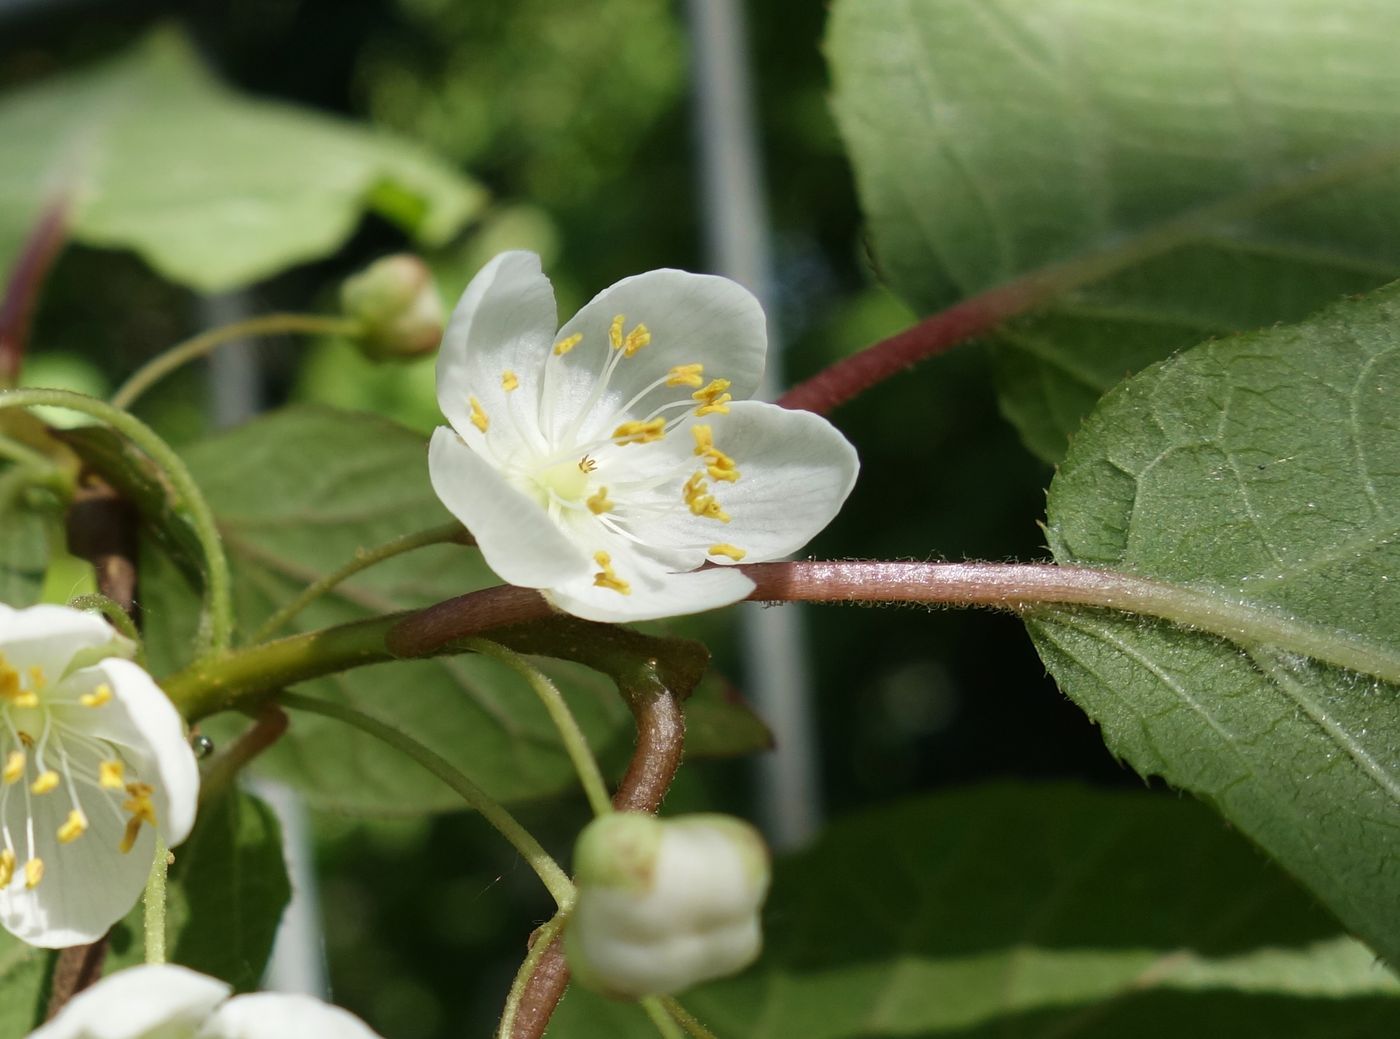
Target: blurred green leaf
{"type": "Point", "coordinates": [214, 190]}
{"type": "Point", "coordinates": [297, 493]}
{"type": "Point", "coordinates": [1264, 470]}
{"type": "Point", "coordinates": [24, 979]}
{"type": "Point", "coordinates": [1011, 911]}
{"type": "Point", "coordinates": [1174, 173]}
{"type": "Point", "coordinates": [24, 546]}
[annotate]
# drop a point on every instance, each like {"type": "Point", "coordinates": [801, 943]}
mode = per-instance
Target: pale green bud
{"type": "Point", "coordinates": [664, 904]}
{"type": "Point", "coordinates": [396, 302]}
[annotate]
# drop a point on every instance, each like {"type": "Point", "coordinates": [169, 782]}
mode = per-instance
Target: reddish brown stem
{"type": "Point", "coordinates": [268, 727]}
{"type": "Point", "coordinates": [23, 285]}
{"type": "Point", "coordinates": [74, 969]}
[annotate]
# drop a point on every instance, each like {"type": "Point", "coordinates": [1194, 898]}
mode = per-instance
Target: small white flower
{"type": "Point", "coordinates": [664, 904]}
{"type": "Point", "coordinates": [606, 462]}
{"type": "Point", "coordinates": [162, 1001]}
{"type": "Point", "coordinates": [93, 763]}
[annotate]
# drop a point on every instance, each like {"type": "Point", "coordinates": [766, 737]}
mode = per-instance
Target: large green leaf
{"type": "Point", "coordinates": [1171, 171]}
{"type": "Point", "coordinates": [1264, 472]}
{"type": "Point", "coordinates": [297, 494]}
{"type": "Point", "coordinates": [214, 190]}
{"type": "Point", "coordinates": [1015, 911]}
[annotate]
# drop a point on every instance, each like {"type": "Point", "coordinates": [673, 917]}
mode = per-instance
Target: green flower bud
{"type": "Point", "coordinates": [664, 904]}
{"type": "Point", "coordinates": [394, 299]}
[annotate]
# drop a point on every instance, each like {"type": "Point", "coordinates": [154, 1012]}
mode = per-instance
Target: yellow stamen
{"type": "Point", "coordinates": [704, 438]}
{"type": "Point", "coordinates": [712, 398]}
{"type": "Point", "coordinates": [14, 767]}
{"type": "Point", "coordinates": [565, 345]}
{"type": "Point", "coordinates": [734, 552]}
{"type": "Point", "coordinates": [509, 381]}
{"type": "Point", "coordinates": [26, 700]}
{"type": "Point", "coordinates": [48, 780]}
{"type": "Point", "coordinates": [615, 332]}
{"type": "Point", "coordinates": [607, 576]}
{"type": "Point", "coordinates": [691, 375]}
{"type": "Point", "coordinates": [74, 828]}
{"type": "Point", "coordinates": [37, 679]}
{"type": "Point", "coordinates": [33, 873]}
{"type": "Point", "coordinates": [640, 432]}
{"type": "Point", "coordinates": [7, 868]}
{"type": "Point", "coordinates": [142, 811]}
{"type": "Point", "coordinates": [479, 419]}
{"type": "Point", "coordinates": [694, 487]}
{"type": "Point", "coordinates": [586, 464]}
{"type": "Point", "coordinates": [133, 830]}
{"type": "Point", "coordinates": [702, 503]}
{"type": "Point", "coordinates": [639, 337]}
{"type": "Point", "coordinates": [9, 680]}
{"type": "Point", "coordinates": [598, 503]}
{"type": "Point", "coordinates": [111, 775]}
{"type": "Point", "coordinates": [718, 464]}
{"type": "Point", "coordinates": [102, 694]}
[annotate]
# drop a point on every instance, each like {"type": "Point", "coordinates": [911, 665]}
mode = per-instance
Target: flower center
{"type": "Point", "coordinates": [565, 481]}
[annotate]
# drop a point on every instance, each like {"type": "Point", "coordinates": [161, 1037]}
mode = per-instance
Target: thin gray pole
{"type": "Point", "coordinates": [738, 246]}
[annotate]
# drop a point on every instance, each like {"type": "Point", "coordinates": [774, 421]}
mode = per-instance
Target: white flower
{"type": "Point", "coordinates": [93, 762]}
{"type": "Point", "coordinates": [664, 904]}
{"type": "Point", "coordinates": [606, 462]}
{"type": "Point", "coordinates": [162, 1001]}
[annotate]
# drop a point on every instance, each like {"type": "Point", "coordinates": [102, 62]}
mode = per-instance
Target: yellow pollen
{"type": "Point", "coordinates": [640, 432]}
{"type": "Point", "coordinates": [734, 552]}
{"type": "Point", "coordinates": [26, 700]}
{"type": "Point", "coordinates": [111, 775]}
{"type": "Point", "coordinates": [586, 464]}
{"type": "Point", "coordinates": [9, 680]}
{"type": "Point", "coordinates": [712, 398]}
{"type": "Point", "coordinates": [14, 767]}
{"type": "Point", "coordinates": [509, 381]}
{"type": "Point", "coordinates": [33, 873]}
{"type": "Point", "coordinates": [142, 811]}
{"type": "Point", "coordinates": [102, 694]}
{"type": "Point", "coordinates": [565, 345]}
{"type": "Point", "coordinates": [702, 503]}
{"type": "Point", "coordinates": [694, 487]}
{"type": "Point", "coordinates": [639, 337]}
{"type": "Point", "coordinates": [479, 419]}
{"type": "Point", "coordinates": [704, 438]}
{"type": "Point", "coordinates": [74, 828]}
{"type": "Point", "coordinates": [47, 780]}
{"type": "Point", "coordinates": [607, 576]}
{"type": "Point", "coordinates": [598, 503]}
{"type": "Point", "coordinates": [615, 332]}
{"type": "Point", "coordinates": [718, 464]}
{"type": "Point", "coordinates": [37, 679]}
{"type": "Point", "coordinates": [691, 375]}
{"type": "Point", "coordinates": [7, 868]}
{"type": "Point", "coordinates": [133, 830]}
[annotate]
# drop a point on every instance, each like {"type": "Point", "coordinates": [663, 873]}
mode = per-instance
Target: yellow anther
{"type": "Point", "coordinates": [712, 398]}
{"type": "Point", "coordinates": [704, 438]}
{"type": "Point", "coordinates": [133, 830]}
{"type": "Point", "coordinates": [479, 419]}
{"type": "Point", "coordinates": [9, 680]}
{"type": "Point", "coordinates": [102, 694]}
{"type": "Point", "coordinates": [111, 775]}
{"type": "Point", "coordinates": [14, 767]}
{"type": "Point", "coordinates": [607, 576]}
{"type": "Point", "coordinates": [726, 472]}
{"type": "Point", "coordinates": [615, 332]}
{"type": "Point", "coordinates": [598, 503]}
{"type": "Point", "coordinates": [142, 811]}
{"type": "Point", "coordinates": [509, 381]}
{"type": "Point", "coordinates": [639, 337]}
{"type": "Point", "coordinates": [26, 699]}
{"type": "Point", "coordinates": [733, 552]}
{"type": "Point", "coordinates": [7, 868]}
{"type": "Point", "coordinates": [691, 375]}
{"type": "Point", "coordinates": [701, 503]}
{"type": "Point", "coordinates": [694, 487]}
{"type": "Point", "coordinates": [48, 780]}
{"type": "Point", "coordinates": [565, 345]}
{"type": "Point", "coordinates": [640, 432]}
{"type": "Point", "coordinates": [33, 873]}
{"type": "Point", "coordinates": [37, 678]}
{"type": "Point", "coordinates": [74, 828]}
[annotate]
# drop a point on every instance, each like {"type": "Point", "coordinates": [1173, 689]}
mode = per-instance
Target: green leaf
{"type": "Point", "coordinates": [24, 546]}
{"type": "Point", "coordinates": [297, 493]}
{"type": "Point", "coordinates": [1161, 175]}
{"type": "Point", "coordinates": [1012, 911]}
{"type": "Point", "coordinates": [24, 982]}
{"type": "Point", "coordinates": [1263, 471]}
{"type": "Point", "coordinates": [214, 190]}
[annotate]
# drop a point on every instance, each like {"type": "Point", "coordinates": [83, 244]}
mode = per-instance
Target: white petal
{"type": "Point", "coordinates": [51, 636]}
{"type": "Point", "coordinates": [652, 593]}
{"type": "Point", "coordinates": [516, 536]}
{"type": "Point", "coordinates": [504, 321]}
{"type": "Point", "coordinates": [276, 1015]}
{"type": "Point", "coordinates": [796, 471]}
{"type": "Point", "coordinates": [133, 1004]}
{"type": "Point", "coordinates": [693, 319]}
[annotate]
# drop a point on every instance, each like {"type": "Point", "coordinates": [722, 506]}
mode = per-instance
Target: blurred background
{"type": "Point", "coordinates": [580, 121]}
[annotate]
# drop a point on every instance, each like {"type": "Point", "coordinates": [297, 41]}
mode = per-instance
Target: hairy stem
{"type": "Point", "coordinates": [540, 943]}
{"type": "Point", "coordinates": [661, 1019]}
{"type": "Point", "coordinates": [155, 904]}
{"type": "Point", "coordinates": [692, 1025]}
{"type": "Point", "coordinates": [555, 880]}
{"type": "Point", "coordinates": [207, 342]}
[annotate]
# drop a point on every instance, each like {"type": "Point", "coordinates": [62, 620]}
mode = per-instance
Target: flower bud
{"type": "Point", "coordinates": [395, 300]}
{"type": "Point", "coordinates": [664, 904]}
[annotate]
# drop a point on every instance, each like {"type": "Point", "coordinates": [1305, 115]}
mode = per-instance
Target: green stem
{"type": "Point", "coordinates": [555, 880]}
{"type": "Point", "coordinates": [660, 1018]}
{"type": "Point", "coordinates": [207, 342]}
{"type": "Point", "coordinates": [575, 743]}
{"type": "Point", "coordinates": [23, 454]}
{"type": "Point", "coordinates": [543, 939]}
{"type": "Point", "coordinates": [155, 904]}
{"type": "Point", "coordinates": [119, 618]}
{"type": "Point", "coordinates": [687, 1020]}
{"type": "Point", "coordinates": [218, 590]}
{"type": "Point", "coordinates": [364, 559]}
